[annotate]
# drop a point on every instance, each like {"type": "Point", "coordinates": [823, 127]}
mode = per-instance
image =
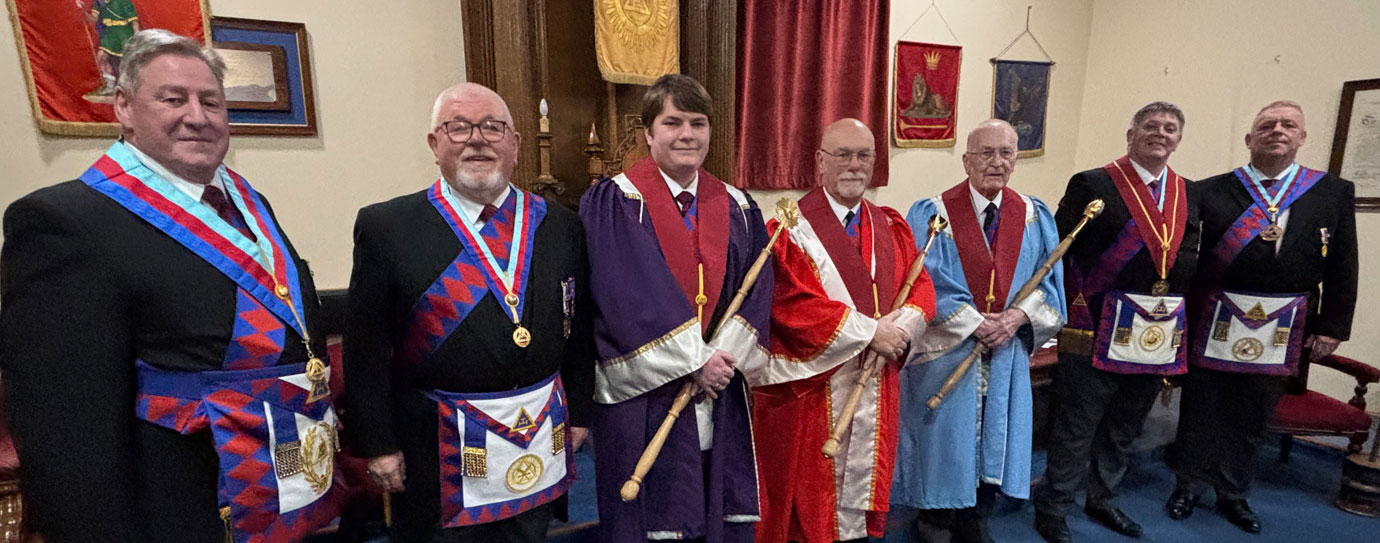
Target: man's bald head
{"type": "Point", "coordinates": [990, 157]}
{"type": "Point", "coordinates": [847, 151]}
{"type": "Point", "coordinates": [987, 126]}
{"type": "Point", "coordinates": [469, 92]}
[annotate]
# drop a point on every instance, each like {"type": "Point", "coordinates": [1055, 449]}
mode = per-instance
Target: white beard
{"type": "Point", "coordinates": [472, 184]}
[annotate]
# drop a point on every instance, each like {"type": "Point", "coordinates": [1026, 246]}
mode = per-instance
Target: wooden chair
{"type": "Point", "coordinates": [1304, 412]}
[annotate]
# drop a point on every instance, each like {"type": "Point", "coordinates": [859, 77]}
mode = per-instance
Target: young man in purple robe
{"type": "Point", "coordinates": [669, 245]}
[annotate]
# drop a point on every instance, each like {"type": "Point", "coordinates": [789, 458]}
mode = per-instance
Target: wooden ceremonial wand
{"type": "Point", "coordinates": [871, 366]}
{"type": "Point", "coordinates": [1093, 209]}
{"type": "Point", "coordinates": [787, 213]}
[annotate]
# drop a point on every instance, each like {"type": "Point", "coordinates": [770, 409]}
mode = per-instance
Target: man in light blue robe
{"type": "Point", "coordinates": [977, 442]}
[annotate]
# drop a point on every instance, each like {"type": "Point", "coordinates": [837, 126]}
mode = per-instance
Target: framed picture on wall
{"type": "Point", "coordinates": [70, 50]}
{"type": "Point", "coordinates": [268, 83]}
{"type": "Point", "coordinates": [1356, 144]}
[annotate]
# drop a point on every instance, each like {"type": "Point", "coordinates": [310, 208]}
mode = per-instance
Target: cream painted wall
{"type": "Point", "coordinates": [984, 28]}
{"type": "Point", "coordinates": [375, 80]}
{"type": "Point", "coordinates": [1221, 61]}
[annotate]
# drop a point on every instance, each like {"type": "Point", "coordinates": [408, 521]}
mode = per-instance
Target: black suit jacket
{"type": "Point", "coordinates": [1140, 272]}
{"type": "Point", "coordinates": [401, 247]}
{"type": "Point", "coordinates": [1300, 266]}
{"type": "Point", "coordinates": [88, 287]}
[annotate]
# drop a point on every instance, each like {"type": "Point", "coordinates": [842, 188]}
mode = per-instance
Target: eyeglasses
{"type": "Point", "coordinates": [461, 131]}
{"type": "Point", "coordinates": [987, 155]}
{"type": "Point", "coordinates": [844, 158]}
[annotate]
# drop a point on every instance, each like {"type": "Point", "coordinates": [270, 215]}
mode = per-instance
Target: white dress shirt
{"type": "Point", "coordinates": [187, 187]}
{"type": "Point", "coordinates": [839, 210]}
{"type": "Point", "coordinates": [1147, 178]}
{"type": "Point", "coordinates": [473, 209]}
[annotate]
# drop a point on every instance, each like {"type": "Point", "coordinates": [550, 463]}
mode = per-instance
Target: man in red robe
{"type": "Point", "coordinates": [837, 274]}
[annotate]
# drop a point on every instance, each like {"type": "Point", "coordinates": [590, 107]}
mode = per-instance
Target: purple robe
{"type": "Point", "coordinates": [649, 340]}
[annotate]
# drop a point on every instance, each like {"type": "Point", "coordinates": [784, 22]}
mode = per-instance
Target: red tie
{"type": "Point", "coordinates": [212, 196]}
{"type": "Point", "coordinates": [487, 213]}
{"type": "Point", "coordinates": [685, 199]}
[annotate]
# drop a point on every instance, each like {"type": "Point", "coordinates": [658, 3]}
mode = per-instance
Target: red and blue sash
{"type": "Point", "coordinates": [237, 407]}
{"type": "Point", "coordinates": [449, 299]}
{"type": "Point", "coordinates": [259, 266]}
{"type": "Point", "coordinates": [1256, 217]}
{"type": "Point", "coordinates": [988, 271]}
{"type": "Point", "coordinates": [1147, 219]}
{"type": "Point", "coordinates": [454, 439]}
{"type": "Point", "coordinates": [855, 259]}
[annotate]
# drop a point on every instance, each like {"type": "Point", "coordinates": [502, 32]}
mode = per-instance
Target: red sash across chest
{"type": "Point", "coordinates": [872, 288]}
{"type": "Point", "coordinates": [989, 272]}
{"type": "Point", "coordinates": [1162, 232]}
{"type": "Point", "coordinates": [685, 251]}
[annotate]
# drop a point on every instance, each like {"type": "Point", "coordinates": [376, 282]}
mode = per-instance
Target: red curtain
{"type": "Point", "coordinates": [802, 65]}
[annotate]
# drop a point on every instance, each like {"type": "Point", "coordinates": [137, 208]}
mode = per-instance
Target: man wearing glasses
{"type": "Point", "coordinates": [468, 347]}
{"type": "Point", "coordinates": [837, 275]}
{"type": "Point", "coordinates": [952, 461]}
{"type": "Point", "coordinates": [1125, 276]}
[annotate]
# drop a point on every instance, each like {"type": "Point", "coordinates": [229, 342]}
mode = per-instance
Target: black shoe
{"type": "Point", "coordinates": [1239, 513]}
{"type": "Point", "coordinates": [1112, 517]}
{"type": "Point", "coordinates": [1181, 504]}
{"type": "Point", "coordinates": [1053, 528]}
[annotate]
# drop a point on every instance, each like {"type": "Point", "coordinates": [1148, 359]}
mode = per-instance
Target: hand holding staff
{"type": "Point", "coordinates": [787, 214]}
{"type": "Point", "coordinates": [871, 365]}
{"type": "Point", "coordinates": [1093, 209]}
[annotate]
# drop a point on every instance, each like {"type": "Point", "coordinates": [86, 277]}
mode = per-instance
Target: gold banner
{"type": "Point", "coordinates": [637, 41]}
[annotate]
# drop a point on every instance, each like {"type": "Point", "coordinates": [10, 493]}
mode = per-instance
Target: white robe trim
{"type": "Point", "coordinates": [850, 338]}
{"type": "Point", "coordinates": [678, 353]}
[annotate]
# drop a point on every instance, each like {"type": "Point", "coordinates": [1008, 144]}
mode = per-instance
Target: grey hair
{"type": "Point", "coordinates": [1157, 107]}
{"type": "Point", "coordinates": [147, 45]}
{"type": "Point", "coordinates": [1280, 103]}
{"type": "Point", "coordinates": [461, 89]}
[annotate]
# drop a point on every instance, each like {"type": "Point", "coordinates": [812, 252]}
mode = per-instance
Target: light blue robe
{"type": "Point", "coordinates": [938, 455]}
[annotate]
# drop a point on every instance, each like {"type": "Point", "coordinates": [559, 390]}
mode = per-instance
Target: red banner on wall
{"type": "Point", "coordinates": [71, 49]}
{"type": "Point", "coordinates": [925, 108]}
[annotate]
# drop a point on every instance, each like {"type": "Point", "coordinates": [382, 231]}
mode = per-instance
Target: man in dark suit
{"type": "Point", "coordinates": [1277, 284]}
{"type": "Point", "coordinates": [158, 334]}
{"type": "Point", "coordinates": [468, 346]}
{"type": "Point", "coordinates": [1124, 278]}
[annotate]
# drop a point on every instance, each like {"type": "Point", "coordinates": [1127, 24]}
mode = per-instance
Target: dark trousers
{"type": "Point", "coordinates": [1097, 415]}
{"type": "Point", "coordinates": [528, 527]}
{"type": "Point", "coordinates": [1222, 421]}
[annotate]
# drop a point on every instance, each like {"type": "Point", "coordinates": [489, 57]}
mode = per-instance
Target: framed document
{"type": "Point", "coordinates": [1356, 144]}
{"type": "Point", "coordinates": [268, 84]}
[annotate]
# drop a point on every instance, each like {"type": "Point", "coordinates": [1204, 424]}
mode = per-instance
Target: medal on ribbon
{"type": "Point", "coordinates": [505, 282]}
{"type": "Point", "coordinates": [1270, 204]}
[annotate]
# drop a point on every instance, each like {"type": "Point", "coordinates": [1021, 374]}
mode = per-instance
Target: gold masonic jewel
{"type": "Point", "coordinates": [524, 473]}
{"type": "Point", "coordinates": [1152, 338]}
{"type": "Point", "coordinates": [1247, 349]}
{"type": "Point", "coordinates": [318, 456]}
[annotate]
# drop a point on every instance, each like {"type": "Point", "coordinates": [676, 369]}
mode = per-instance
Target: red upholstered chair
{"type": "Point", "coordinates": [1305, 412]}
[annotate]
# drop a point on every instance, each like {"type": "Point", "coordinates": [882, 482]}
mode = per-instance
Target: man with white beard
{"type": "Point", "coordinates": [838, 273]}
{"type": "Point", "coordinates": [468, 346]}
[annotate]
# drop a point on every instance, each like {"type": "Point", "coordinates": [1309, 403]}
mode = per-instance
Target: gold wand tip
{"type": "Point", "coordinates": [1094, 208]}
{"type": "Point", "coordinates": [787, 212]}
{"type": "Point", "coordinates": [938, 223]}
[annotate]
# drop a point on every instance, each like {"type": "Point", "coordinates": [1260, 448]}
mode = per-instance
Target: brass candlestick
{"type": "Point", "coordinates": [546, 183]}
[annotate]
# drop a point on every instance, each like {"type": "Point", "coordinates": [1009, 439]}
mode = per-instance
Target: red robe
{"type": "Point", "coordinates": [824, 311]}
